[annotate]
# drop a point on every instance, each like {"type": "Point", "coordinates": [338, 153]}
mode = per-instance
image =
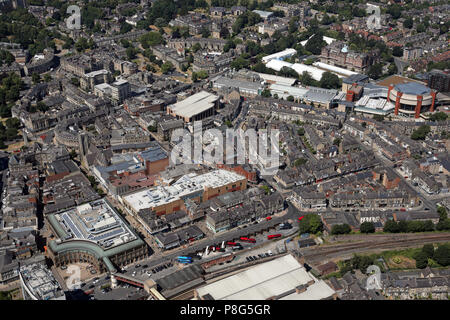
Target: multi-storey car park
{"type": "Point", "coordinates": [95, 233]}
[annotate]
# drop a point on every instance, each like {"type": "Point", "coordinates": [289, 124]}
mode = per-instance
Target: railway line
{"type": "Point", "coordinates": [326, 252]}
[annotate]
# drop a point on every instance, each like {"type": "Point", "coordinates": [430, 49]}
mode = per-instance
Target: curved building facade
{"type": "Point", "coordinates": [96, 234]}
{"type": "Point", "coordinates": [411, 99]}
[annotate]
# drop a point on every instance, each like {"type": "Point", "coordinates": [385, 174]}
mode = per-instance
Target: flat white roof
{"type": "Point", "coordinates": [278, 64]}
{"type": "Point", "coordinates": [296, 92]}
{"type": "Point", "coordinates": [194, 104]}
{"type": "Point", "coordinates": [187, 185]}
{"type": "Point", "coordinates": [334, 69]}
{"type": "Point", "coordinates": [380, 104]}
{"type": "Point", "coordinates": [95, 73]}
{"type": "Point", "coordinates": [119, 82]}
{"type": "Point", "coordinates": [105, 87]}
{"type": "Point", "coordinates": [279, 55]}
{"type": "Point", "coordinates": [273, 278]}
{"type": "Point", "coordinates": [316, 73]}
{"type": "Point", "coordinates": [277, 79]}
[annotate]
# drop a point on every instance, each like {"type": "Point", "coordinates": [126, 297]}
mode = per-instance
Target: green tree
{"type": "Point", "coordinates": [266, 93]}
{"type": "Point", "coordinates": [315, 44]}
{"type": "Point", "coordinates": [306, 79]}
{"type": "Point", "coordinates": [395, 11]}
{"type": "Point", "coordinates": [367, 227]}
{"type": "Point", "coordinates": [36, 78]}
{"type": "Point", "coordinates": [442, 255]}
{"type": "Point", "coordinates": [428, 249]}
{"type": "Point", "coordinates": [397, 51]}
{"type": "Point", "coordinates": [131, 53]}
{"type": "Point", "coordinates": [439, 116]}
{"type": "Point", "coordinates": [151, 39]}
{"type": "Point", "coordinates": [442, 213]}
{"type": "Point", "coordinates": [299, 162]}
{"type": "Point", "coordinates": [194, 76]}
{"type": "Point", "coordinates": [421, 260]}
{"type": "Point", "coordinates": [196, 47]}
{"type": "Point", "coordinates": [329, 81]}
{"type": "Point", "coordinates": [421, 132]}
{"type": "Point", "coordinates": [311, 223]}
{"type": "Point", "coordinates": [167, 67]}
{"type": "Point", "coordinates": [375, 71]}
{"type": "Point", "coordinates": [443, 225]}
{"type": "Point", "coordinates": [391, 226]}
{"type": "Point", "coordinates": [408, 23]}
{"type": "Point", "coordinates": [341, 229]}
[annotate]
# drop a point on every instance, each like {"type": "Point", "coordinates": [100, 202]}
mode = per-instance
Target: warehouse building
{"type": "Point", "coordinates": [197, 107]}
{"type": "Point", "coordinates": [283, 278]}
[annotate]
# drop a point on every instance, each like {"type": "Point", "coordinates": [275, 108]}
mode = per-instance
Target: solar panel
{"type": "Point", "coordinates": [72, 226]}
{"type": "Point", "coordinates": [108, 235]}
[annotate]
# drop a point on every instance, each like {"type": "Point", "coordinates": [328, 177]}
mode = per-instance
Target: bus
{"type": "Point", "coordinates": [245, 239]}
{"type": "Point", "coordinates": [273, 236]}
{"type": "Point", "coordinates": [185, 261]}
{"type": "Point", "coordinates": [184, 258]}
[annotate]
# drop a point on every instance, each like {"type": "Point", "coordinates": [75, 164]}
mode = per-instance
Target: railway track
{"type": "Point", "coordinates": [395, 242]}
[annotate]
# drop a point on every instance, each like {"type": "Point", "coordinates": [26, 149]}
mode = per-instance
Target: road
{"type": "Point", "coordinates": [164, 257]}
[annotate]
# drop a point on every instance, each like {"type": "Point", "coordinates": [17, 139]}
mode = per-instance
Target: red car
{"type": "Point", "coordinates": [273, 236]}
{"type": "Point", "coordinates": [269, 218]}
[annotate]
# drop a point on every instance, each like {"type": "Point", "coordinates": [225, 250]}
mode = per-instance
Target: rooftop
{"type": "Point", "coordinates": [187, 186]}
{"type": "Point", "coordinates": [96, 222]}
{"type": "Point", "coordinates": [40, 282]}
{"type": "Point", "coordinates": [194, 104]}
{"type": "Point", "coordinates": [277, 279]}
{"type": "Point", "coordinates": [412, 88]}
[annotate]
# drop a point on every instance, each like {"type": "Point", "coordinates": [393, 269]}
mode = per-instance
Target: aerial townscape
{"type": "Point", "coordinates": [204, 150]}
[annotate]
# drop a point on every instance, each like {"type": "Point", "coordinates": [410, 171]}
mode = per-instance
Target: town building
{"type": "Point", "coordinates": [196, 107]}
{"type": "Point", "coordinates": [411, 99]}
{"type": "Point", "coordinates": [283, 278]}
{"type": "Point", "coordinates": [161, 199]}
{"type": "Point", "coordinates": [93, 232]}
